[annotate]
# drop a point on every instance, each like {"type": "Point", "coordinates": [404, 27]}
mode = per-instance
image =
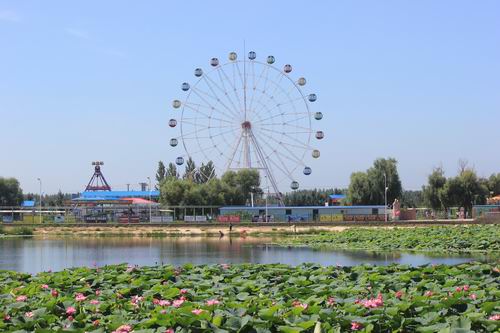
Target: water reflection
{"type": "Point", "coordinates": [43, 253]}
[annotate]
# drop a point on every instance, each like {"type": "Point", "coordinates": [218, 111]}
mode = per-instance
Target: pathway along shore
{"type": "Point", "coordinates": [250, 228]}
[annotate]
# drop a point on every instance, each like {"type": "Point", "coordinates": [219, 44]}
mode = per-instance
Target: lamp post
{"type": "Point", "coordinates": [40, 181]}
{"type": "Point", "coordinates": [385, 195]}
{"type": "Point", "coordinates": [266, 203]}
{"type": "Point", "coordinates": [149, 180]}
{"type": "Point", "coordinates": [251, 194]}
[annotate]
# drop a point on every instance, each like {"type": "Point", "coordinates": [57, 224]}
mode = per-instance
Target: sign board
{"type": "Point", "coordinates": [201, 218]}
{"type": "Point", "coordinates": [189, 218]}
{"type": "Point", "coordinates": [229, 218]}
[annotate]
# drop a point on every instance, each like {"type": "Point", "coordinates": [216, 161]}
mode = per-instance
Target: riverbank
{"type": "Point", "coordinates": [210, 229]}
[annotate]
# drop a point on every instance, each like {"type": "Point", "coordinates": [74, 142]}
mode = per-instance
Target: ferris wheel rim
{"type": "Point", "coordinates": [304, 146]}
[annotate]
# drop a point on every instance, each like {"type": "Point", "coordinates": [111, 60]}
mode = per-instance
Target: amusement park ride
{"type": "Point", "coordinates": [248, 114]}
{"type": "Point", "coordinates": [97, 181]}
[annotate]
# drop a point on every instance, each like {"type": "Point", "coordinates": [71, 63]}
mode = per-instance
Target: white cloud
{"type": "Point", "coordinates": [82, 34]}
{"type": "Point", "coordinates": [9, 16]}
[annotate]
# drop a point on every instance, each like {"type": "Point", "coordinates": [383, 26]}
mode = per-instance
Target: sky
{"type": "Point", "coordinates": [94, 80]}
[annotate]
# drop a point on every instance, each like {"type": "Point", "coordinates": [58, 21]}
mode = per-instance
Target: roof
{"type": "Point", "coordinates": [109, 195]}
{"type": "Point", "coordinates": [28, 203]}
{"type": "Point", "coordinates": [337, 196]}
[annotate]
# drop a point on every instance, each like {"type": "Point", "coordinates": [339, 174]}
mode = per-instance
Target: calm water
{"type": "Point", "coordinates": [37, 254]}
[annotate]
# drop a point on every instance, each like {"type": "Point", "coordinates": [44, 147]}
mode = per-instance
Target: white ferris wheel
{"type": "Point", "coordinates": [248, 114]}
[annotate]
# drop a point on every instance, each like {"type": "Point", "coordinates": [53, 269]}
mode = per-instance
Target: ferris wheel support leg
{"type": "Point", "coordinates": [268, 172]}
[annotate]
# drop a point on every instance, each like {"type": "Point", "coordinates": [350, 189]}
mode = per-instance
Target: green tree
{"type": "Point", "coordinates": [411, 199]}
{"type": "Point", "coordinates": [59, 199]}
{"type": "Point", "coordinates": [10, 192]}
{"type": "Point", "coordinates": [368, 188]}
{"type": "Point", "coordinates": [171, 172]}
{"type": "Point", "coordinates": [432, 191]}
{"type": "Point", "coordinates": [494, 184]}
{"type": "Point", "coordinates": [359, 192]}
{"type": "Point", "coordinates": [173, 191]}
{"type": "Point", "coordinates": [205, 172]}
{"type": "Point", "coordinates": [376, 176]}
{"type": "Point", "coordinates": [190, 170]}
{"type": "Point", "coordinates": [161, 173]}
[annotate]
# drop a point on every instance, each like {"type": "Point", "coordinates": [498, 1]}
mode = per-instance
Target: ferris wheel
{"type": "Point", "coordinates": [248, 114]}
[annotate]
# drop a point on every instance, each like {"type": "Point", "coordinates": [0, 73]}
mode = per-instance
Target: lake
{"type": "Point", "coordinates": [36, 254]}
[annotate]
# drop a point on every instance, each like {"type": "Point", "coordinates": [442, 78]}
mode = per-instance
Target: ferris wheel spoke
{"type": "Point", "coordinates": [200, 125]}
{"type": "Point", "coordinates": [226, 93]}
{"type": "Point", "coordinates": [282, 114]}
{"type": "Point", "coordinates": [286, 124]}
{"type": "Point", "coordinates": [233, 85]}
{"type": "Point", "coordinates": [275, 152]}
{"type": "Point", "coordinates": [265, 68]}
{"type": "Point", "coordinates": [212, 82]}
{"type": "Point", "coordinates": [198, 92]}
{"type": "Point", "coordinates": [279, 105]}
{"type": "Point", "coordinates": [293, 138]}
{"type": "Point", "coordinates": [210, 118]}
{"type": "Point", "coordinates": [210, 109]}
{"type": "Point", "coordinates": [295, 158]}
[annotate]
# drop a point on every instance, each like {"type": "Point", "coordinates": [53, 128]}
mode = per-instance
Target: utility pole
{"type": "Point", "coordinates": [149, 179]}
{"type": "Point", "coordinates": [128, 187]}
{"type": "Point", "coordinates": [385, 195]}
{"type": "Point", "coordinates": [40, 181]}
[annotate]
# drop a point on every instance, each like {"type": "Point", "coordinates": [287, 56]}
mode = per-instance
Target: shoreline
{"type": "Point", "coordinates": [221, 229]}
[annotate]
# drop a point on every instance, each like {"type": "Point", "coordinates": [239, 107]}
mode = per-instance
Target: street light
{"type": "Point", "coordinates": [40, 181]}
{"type": "Point", "coordinates": [149, 179]}
{"type": "Point", "coordinates": [385, 195]}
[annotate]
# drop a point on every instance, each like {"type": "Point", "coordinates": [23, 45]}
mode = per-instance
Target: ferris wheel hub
{"type": "Point", "coordinates": [246, 125]}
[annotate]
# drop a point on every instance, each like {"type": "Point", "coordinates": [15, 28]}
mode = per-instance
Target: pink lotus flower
{"type": "Point", "coordinates": [184, 291]}
{"type": "Point", "coordinates": [373, 302]}
{"type": "Point", "coordinates": [94, 302]}
{"type": "Point", "coordinates": [163, 311]}
{"type": "Point", "coordinates": [164, 303]}
{"type": "Point", "coordinates": [298, 304]}
{"type": "Point", "coordinates": [70, 311]}
{"type": "Point", "coordinates": [6, 318]}
{"type": "Point", "coordinates": [70, 318]}
{"type": "Point", "coordinates": [130, 269]}
{"type": "Point", "coordinates": [21, 298]}
{"type": "Point", "coordinates": [44, 286]}
{"type": "Point", "coordinates": [399, 294]}
{"type": "Point", "coordinates": [97, 292]}
{"type": "Point", "coordinates": [428, 293]}
{"type": "Point", "coordinates": [96, 322]}
{"type": "Point", "coordinates": [80, 297]}
{"type": "Point", "coordinates": [54, 293]}
{"type": "Point", "coordinates": [466, 287]}
{"type": "Point", "coordinates": [211, 302]}
{"type": "Point", "coordinates": [136, 299]}
{"type": "Point", "coordinates": [494, 317]}
{"type": "Point", "coordinates": [458, 289]}
{"type": "Point", "coordinates": [473, 297]}
{"type": "Point", "coordinates": [330, 301]}
{"type": "Point", "coordinates": [156, 301]}
{"type": "Point", "coordinates": [225, 266]}
{"type": "Point", "coordinates": [123, 329]}
{"type": "Point", "coordinates": [496, 269]}
{"type": "Point", "coordinates": [178, 302]}
{"type": "Point", "coordinates": [197, 311]}
{"type": "Point", "coordinates": [356, 326]}
{"type": "Point", "coordinates": [169, 330]}
{"type": "Point", "coordinates": [29, 314]}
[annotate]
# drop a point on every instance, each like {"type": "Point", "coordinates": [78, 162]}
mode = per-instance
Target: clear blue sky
{"type": "Point", "coordinates": [87, 80]}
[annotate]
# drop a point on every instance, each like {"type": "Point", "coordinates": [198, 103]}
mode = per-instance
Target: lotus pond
{"type": "Point", "coordinates": [41, 253]}
{"type": "Point", "coordinates": [458, 239]}
{"type": "Point", "coordinates": [253, 298]}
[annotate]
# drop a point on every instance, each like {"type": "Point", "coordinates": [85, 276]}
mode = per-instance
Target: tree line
{"type": "Point", "coordinates": [200, 186]}
{"type": "Point", "coordinates": [464, 190]}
